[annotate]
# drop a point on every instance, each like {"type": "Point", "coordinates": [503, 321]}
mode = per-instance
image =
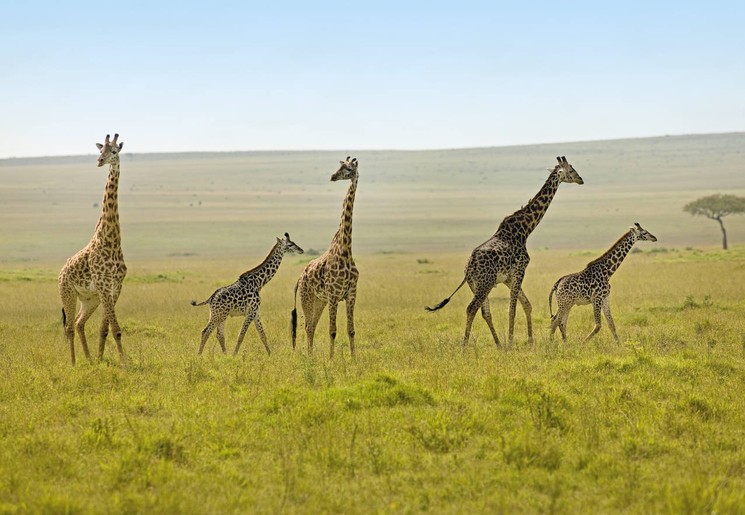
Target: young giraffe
{"type": "Point", "coordinates": [331, 277]}
{"type": "Point", "coordinates": [592, 286]}
{"type": "Point", "coordinates": [242, 297]}
{"type": "Point", "coordinates": [503, 258]}
{"type": "Point", "coordinates": [95, 274]}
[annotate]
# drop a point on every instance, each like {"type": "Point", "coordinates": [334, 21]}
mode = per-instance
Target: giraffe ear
{"type": "Point", "coordinates": [99, 146]}
{"type": "Point", "coordinates": [121, 145]}
{"type": "Point", "coordinates": [341, 162]}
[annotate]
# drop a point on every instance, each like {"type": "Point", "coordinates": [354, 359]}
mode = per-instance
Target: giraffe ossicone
{"type": "Point", "coordinates": [592, 285]}
{"type": "Point", "coordinates": [242, 298]}
{"type": "Point", "coordinates": [503, 258]}
{"type": "Point", "coordinates": [95, 274]}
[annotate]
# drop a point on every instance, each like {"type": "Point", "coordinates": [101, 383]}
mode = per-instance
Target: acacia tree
{"type": "Point", "coordinates": [717, 207]}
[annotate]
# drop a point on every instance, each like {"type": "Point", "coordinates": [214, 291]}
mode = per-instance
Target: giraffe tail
{"type": "Point", "coordinates": [195, 303]}
{"type": "Point", "coordinates": [64, 318]}
{"type": "Point", "coordinates": [444, 302]}
{"type": "Point", "coordinates": [293, 315]}
{"type": "Point", "coordinates": [550, 298]}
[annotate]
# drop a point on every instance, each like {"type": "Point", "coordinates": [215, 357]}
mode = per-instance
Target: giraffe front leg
{"type": "Point", "coordinates": [515, 288]}
{"type": "Point", "coordinates": [351, 299]}
{"type": "Point", "coordinates": [596, 308]}
{"type": "Point", "coordinates": [609, 319]}
{"type": "Point", "coordinates": [110, 315]}
{"type": "Point", "coordinates": [528, 310]}
{"type": "Point", "coordinates": [333, 306]}
{"type": "Point", "coordinates": [262, 336]}
{"type": "Point", "coordinates": [246, 322]}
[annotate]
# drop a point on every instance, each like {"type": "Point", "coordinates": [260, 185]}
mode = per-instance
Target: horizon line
{"type": "Point", "coordinates": [431, 149]}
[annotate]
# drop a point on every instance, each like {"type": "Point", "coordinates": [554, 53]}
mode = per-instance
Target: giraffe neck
{"type": "Point", "coordinates": [342, 242]}
{"type": "Point", "coordinates": [107, 228]}
{"type": "Point", "coordinates": [522, 222]}
{"type": "Point", "coordinates": [263, 273]}
{"type": "Point", "coordinates": [615, 255]}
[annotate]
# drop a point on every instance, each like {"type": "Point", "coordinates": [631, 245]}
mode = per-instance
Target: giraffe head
{"type": "Point", "coordinates": [566, 172]}
{"type": "Point", "coordinates": [642, 234]}
{"type": "Point", "coordinates": [289, 245]}
{"type": "Point", "coordinates": [347, 170]}
{"type": "Point", "coordinates": [109, 151]}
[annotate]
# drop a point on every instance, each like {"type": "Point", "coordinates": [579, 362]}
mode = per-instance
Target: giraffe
{"type": "Point", "coordinates": [503, 258]}
{"type": "Point", "coordinates": [592, 285]}
{"type": "Point", "coordinates": [95, 274]}
{"type": "Point", "coordinates": [331, 277]}
{"type": "Point", "coordinates": [242, 297]}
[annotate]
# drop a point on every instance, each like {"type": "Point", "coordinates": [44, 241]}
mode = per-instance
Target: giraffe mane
{"type": "Point", "coordinates": [254, 269]}
{"type": "Point", "coordinates": [610, 249]}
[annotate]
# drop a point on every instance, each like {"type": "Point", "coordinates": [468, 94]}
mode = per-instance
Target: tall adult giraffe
{"type": "Point", "coordinates": [592, 285]}
{"type": "Point", "coordinates": [331, 277]}
{"type": "Point", "coordinates": [95, 274]}
{"type": "Point", "coordinates": [504, 257]}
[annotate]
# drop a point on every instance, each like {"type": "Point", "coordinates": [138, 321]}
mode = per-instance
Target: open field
{"type": "Point", "coordinates": [234, 204]}
{"type": "Point", "coordinates": [416, 423]}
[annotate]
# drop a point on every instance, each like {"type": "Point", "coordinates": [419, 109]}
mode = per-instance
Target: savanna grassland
{"type": "Point", "coordinates": [416, 422]}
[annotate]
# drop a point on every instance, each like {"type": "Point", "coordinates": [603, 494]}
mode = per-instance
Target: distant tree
{"type": "Point", "coordinates": [717, 207]}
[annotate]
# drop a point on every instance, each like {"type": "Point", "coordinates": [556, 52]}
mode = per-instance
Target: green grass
{"type": "Point", "coordinates": [416, 423]}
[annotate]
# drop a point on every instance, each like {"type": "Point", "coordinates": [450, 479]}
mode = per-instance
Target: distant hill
{"type": "Point", "coordinates": [211, 204]}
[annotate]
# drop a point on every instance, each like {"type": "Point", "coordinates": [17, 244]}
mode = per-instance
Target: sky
{"type": "Point", "coordinates": [226, 76]}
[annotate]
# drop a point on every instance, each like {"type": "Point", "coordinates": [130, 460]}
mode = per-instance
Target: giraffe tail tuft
{"type": "Point", "coordinates": [444, 302]}
{"type": "Point", "coordinates": [438, 306]}
{"type": "Point", "coordinates": [64, 318]}
{"type": "Point", "coordinates": [195, 303]}
{"type": "Point", "coordinates": [293, 316]}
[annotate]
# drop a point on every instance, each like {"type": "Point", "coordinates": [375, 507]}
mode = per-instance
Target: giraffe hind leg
{"type": "Point", "coordinates": [69, 303]}
{"type": "Point", "coordinates": [88, 307]}
{"type": "Point", "coordinates": [486, 313]}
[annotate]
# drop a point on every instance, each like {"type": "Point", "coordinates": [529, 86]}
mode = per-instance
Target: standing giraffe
{"type": "Point", "coordinates": [503, 258]}
{"type": "Point", "coordinates": [95, 274]}
{"type": "Point", "coordinates": [242, 297]}
{"type": "Point", "coordinates": [331, 277]}
{"type": "Point", "coordinates": [592, 285]}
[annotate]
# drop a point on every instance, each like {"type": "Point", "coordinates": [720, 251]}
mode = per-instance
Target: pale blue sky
{"type": "Point", "coordinates": [188, 76]}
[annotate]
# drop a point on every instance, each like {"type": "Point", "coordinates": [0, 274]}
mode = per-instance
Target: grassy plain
{"type": "Point", "coordinates": [416, 423]}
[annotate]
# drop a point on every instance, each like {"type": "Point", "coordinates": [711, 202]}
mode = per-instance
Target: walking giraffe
{"type": "Point", "coordinates": [331, 277]}
{"type": "Point", "coordinates": [592, 285]}
{"type": "Point", "coordinates": [95, 274]}
{"type": "Point", "coordinates": [503, 258]}
{"type": "Point", "coordinates": [242, 297]}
